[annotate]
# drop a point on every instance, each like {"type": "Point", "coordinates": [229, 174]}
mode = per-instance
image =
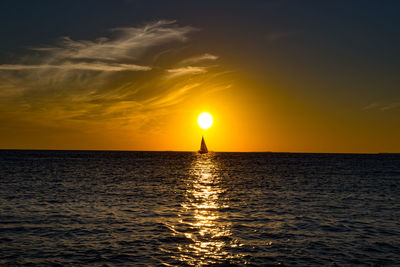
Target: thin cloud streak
{"type": "Point", "coordinates": [200, 58]}
{"type": "Point", "coordinates": [382, 106]}
{"type": "Point", "coordinates": [99, 66]}
{"type": "Point", "coordinates": [390, 106]}
{"type": "Point", "coordinates": [185, 71]}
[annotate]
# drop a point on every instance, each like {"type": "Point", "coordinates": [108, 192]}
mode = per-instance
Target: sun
{"type": "Point", "coordinates": [205, 120]}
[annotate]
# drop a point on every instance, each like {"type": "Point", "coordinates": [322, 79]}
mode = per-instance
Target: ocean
{"type": "Point", "coordinates": [109, 208]}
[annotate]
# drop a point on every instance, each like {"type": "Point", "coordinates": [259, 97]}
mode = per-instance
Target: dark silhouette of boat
{"type": "Point", "coordinates": [203, 147]}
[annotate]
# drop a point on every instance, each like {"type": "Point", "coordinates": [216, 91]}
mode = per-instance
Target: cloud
{"type": "Point", "coordinates": [197, 59]}
{"type": "Point", "coordinates": [382, 106]}
{"type": "Point", "coordinates": [172, 98]}
{"type": "Point", "coordinates": [110, 79]}
{"type": "Point", "coordinates": [126, 43]}
{"type": "Point", "coordinates": [390, 106]}
{"type": "Point", "coordinates": [185, 71]}
{"type": "Point", "coordinates": [185, 66]}
{"type": "Point", "coordinates": [371, 106]}
{"type": "Point", "coordinates": [77, 64]}
{"type": "Point", "coordinates": [106, 53]}
{"type": "Point", "coordinates": [95, 66]}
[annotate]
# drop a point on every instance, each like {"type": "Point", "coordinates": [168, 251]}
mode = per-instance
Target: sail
{"type": "Point", "coordinates": [203, 147]}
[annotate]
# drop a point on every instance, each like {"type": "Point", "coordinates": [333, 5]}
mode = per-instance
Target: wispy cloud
{"type": "Point", "coordinates": [94, 66]}
{"type": "Point", "coordinates": [106, 53]}
{"type": "Point", "coordinates": [382, 106]}
{"type": "Point", "coordinates": [390, 106]}
{"type": "Point", "coordinates": [185, 71]}
{"type": "Point", "coordinates": [171, 98]}
{"type": "Point", "coordinates": [108, 78]}
{"type": "Point", "coordinates": [191, 66]}
{"type": "Point", "coordinates": [125, 43]}
{"type": "Point", "coordinates": [196, 59]}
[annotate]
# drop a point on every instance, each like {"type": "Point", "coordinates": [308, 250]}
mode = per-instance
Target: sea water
{"type": "Point", "coordinates": [175, 208]}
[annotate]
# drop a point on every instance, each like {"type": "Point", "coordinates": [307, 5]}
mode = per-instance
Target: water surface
{"type": "Point", "coordinates": [175, 208]}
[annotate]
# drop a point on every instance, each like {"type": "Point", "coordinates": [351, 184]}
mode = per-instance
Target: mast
{"type": "Point", "coordinates": [203, 147]}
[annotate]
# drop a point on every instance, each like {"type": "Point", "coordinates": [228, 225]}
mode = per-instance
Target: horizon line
{"type": "Point", "coordinates": [195, 151]}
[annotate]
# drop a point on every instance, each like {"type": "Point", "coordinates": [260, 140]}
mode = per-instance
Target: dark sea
{"type": "Point", "coordinates": [93, 208]}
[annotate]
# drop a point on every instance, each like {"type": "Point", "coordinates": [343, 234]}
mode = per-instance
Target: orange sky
{"type": "Point", "coordinates": [143, 87]}
{"type": "Point", "coordinates": [273, 121]}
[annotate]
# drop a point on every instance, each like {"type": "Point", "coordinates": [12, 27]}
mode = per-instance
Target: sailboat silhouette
{"type": "Point", "coordinates": [203, 147]}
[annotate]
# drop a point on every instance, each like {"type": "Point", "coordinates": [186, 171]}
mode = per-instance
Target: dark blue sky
{"type": "Point", "coordinates": [352, 35]}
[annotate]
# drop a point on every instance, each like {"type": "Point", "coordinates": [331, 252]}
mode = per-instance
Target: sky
{"type": "Point", "coordinates": [281, 76]}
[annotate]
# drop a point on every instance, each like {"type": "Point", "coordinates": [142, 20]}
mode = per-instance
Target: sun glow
{"type": "Point", "coordinates": [205, 120]}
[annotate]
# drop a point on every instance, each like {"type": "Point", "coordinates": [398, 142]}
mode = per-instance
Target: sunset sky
{"type": "Point", "coordinates": [295, 76]}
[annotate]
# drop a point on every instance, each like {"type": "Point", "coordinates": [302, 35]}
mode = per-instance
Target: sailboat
{"type": "Point", "coordinates": [203, 147]}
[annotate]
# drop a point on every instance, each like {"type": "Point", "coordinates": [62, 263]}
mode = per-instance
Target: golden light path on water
{"type": "Point", "coordinates": [202, 217]}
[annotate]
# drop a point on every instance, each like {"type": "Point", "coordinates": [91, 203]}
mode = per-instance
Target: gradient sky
{"type": "Point", "coordinates": [298, 76]}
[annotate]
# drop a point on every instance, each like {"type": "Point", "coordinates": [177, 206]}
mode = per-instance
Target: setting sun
{"type": "Point", "coordinates": [205, 120]}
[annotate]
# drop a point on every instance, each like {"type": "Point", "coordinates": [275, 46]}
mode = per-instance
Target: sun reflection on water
{"type": "Point", "coordinates": [203, 219]}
